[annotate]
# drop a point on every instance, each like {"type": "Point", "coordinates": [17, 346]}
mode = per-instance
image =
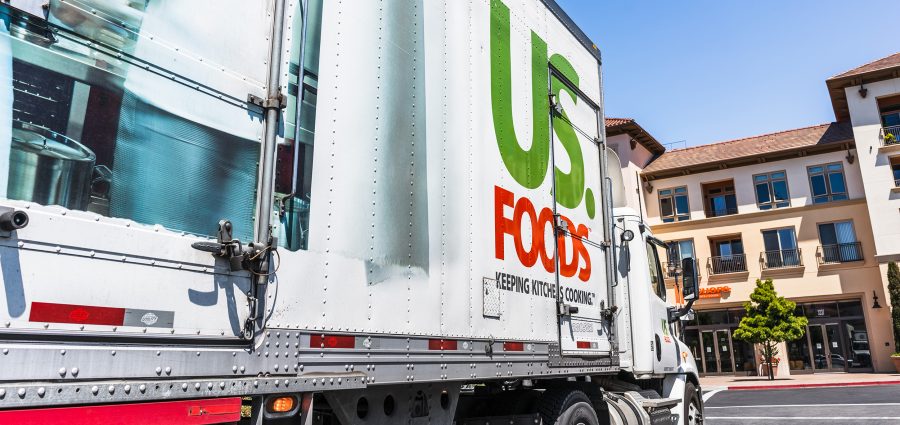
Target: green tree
{"type": "Point", "coordinates": [769, 320]}
{"type": "Point", "coordinates": [893, 276]}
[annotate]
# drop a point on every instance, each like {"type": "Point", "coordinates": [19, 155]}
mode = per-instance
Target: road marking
{"type": "Point", "coordinates": [794, 405]}
{"type": "Point", "coordinates": [807, 418]}
{"type": "Point", "coordinates": [709, 395]}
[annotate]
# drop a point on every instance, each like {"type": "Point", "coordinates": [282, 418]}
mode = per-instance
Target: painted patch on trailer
{"type": "Point", "coordinates": [149, 318]}
{"type": "Point", "coordinates": [96, 315]}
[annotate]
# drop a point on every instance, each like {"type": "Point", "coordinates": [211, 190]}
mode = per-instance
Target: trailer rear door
{"type": "Point", "coordinates": [581, 270]}
{"type": "Point", "coordinates": [131, 138]}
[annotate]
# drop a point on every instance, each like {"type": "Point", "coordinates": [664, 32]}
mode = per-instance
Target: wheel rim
{"type": "Point", "coordinates": [694, 415]}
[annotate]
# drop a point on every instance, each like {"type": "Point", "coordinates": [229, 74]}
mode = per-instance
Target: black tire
{"type": "Point", "coordinates": [692, 398]}
{"type": "Point", "coordinates": [567, 407]}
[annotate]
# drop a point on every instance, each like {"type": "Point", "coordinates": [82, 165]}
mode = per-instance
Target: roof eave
{"type": "Point", "coordinates": [836, 86]}
{"type": "Point", "coordinates": [633, 129]}
{"type": "Point", "coordinates": [749, 160]}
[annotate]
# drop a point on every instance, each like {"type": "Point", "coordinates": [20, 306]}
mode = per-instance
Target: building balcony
{"type": "Point", "coordinates": [839, 253]}
{"type": "Point", "coordinates": [727, 264]}
{"type": "Point", "coordinates": [890, 137]}
{"type": "Point", "coordinates": [781, 259]}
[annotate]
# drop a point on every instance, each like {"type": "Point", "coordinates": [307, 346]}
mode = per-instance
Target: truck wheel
{"type": "Point", "coordinates": [567, 407]}
{"type": "Point", "coordinates": [693, 414]}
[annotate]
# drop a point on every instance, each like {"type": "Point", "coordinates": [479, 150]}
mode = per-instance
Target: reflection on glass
{"type": "Point", "coordinates": [97, 126]}
{"type": "Point", "coordinates": [744, 360]}
{"type": "Point", "coordinates": [692, 340]}
{"type": "Point", "coordinates": [857, 339]}
{"type": "Point", "coordinates": [798, 354]}
{"type": "Point", "coordinates": [295, 159]}
{"type": "Point", "coordinates": [724, 350]}
{"type": "Point", "coordinates": [710, 362]}
{"type": "Point", "coordinates": [820, 353]}
{"type": "Point", "coordinates": [836, 347]}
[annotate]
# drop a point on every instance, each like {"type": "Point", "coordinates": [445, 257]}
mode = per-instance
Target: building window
{"type": "Point", "coordinates": [781, 249]}
{"type": "Point", "coordinates": [895, 168]}
{"type": "Point", "coordinates": [719, 199]}
{"type": "Point", "coordinates": [728, 255]}
{"type": "Point", "coordinates": [673, 204]}
{"type": "Point", "coordinates": [772, 190]}
{"type": "Point", "coordinates": [839, 244]}
{"type": "Point", "coordinates": [890, 119]}
{"type": "Point", "coordinates": [827, 183]}
{"type": "Point", "coordinates": [679, 250]}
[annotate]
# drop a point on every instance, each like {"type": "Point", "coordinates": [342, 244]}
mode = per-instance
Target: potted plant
{"type": "Point", "coordinates": [889, 139]}
{"type": "Point", "coordinates": [893, 276]}
{"type": "Point", "coordinates": [770, 364]}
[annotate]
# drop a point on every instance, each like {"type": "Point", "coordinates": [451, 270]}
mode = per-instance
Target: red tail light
{"type": "Point", "coordinates": [587, 345]}
{"type": "Point", "coordinates": [332, 341]}
{"type": "Point", "coordinates": [442, 344]}
{"type": "Point", "coordinates": [513, 346]}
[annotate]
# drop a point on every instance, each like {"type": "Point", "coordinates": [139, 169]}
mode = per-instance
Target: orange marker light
{"type": "Point", "coordinates": [281, 404]}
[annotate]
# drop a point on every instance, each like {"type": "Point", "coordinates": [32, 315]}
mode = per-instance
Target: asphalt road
{"type": "Point", "coordinates": [836, 405]}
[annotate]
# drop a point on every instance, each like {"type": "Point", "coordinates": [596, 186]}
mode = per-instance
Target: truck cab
{"type": "Point", "coordinates": [648, 332]}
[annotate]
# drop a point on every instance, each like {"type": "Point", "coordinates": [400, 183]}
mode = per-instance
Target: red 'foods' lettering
{"type": "Point", "coordinates": [524, 213]}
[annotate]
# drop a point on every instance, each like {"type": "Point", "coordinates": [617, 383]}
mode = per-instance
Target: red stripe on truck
{"type": "Point", "coordinates": [187, 412]}
{"type": "Point", "coordinates": [80, 314]}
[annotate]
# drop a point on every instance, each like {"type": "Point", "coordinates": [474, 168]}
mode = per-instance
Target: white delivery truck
{"type": "Point", "coordinates": [321, 211]}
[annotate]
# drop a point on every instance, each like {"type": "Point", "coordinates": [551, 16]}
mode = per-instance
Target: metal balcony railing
{"type": "Point", "coordinates": [890, 135]}
{"type": "Point", "coordinates": [720, 212]}
{"type": "Point", "coordinates": [840, 253]}
{"type": "Point", "coordinates": [781, 259]}
{"type": "Point", "coordinates": [735, 263]}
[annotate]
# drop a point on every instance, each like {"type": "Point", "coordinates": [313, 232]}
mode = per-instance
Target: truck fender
{"type": "Point", "coordinates": [673, 387]}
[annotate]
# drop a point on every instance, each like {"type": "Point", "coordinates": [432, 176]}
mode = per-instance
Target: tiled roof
{"type": "Point", "coordinates": [883, 63]}
{"type": "Point", "coordinates": [751, 147]}
{"type": "Point", "coordinates": [613, 122]}
{"type": "Point", "coordinates": [879, 70]}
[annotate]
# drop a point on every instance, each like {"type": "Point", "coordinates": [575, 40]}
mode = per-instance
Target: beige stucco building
{"type": "Point", "coordinates": [815, 209]}
{"type": "Point", "coordinates": [869, 97]}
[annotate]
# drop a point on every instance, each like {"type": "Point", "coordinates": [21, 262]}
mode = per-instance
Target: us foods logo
{"type": "Point", "coordinates": [529, 167]}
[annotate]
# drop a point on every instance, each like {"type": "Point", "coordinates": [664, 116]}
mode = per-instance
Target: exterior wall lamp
{"type": "Point", "coordinates": [850, 156]}
{"type": "Point", "coordinates": [648, 186]}
{"type": "Point", "coordinates": [875, 300]}
{"type": "Point", "coordinates": [863, 91]}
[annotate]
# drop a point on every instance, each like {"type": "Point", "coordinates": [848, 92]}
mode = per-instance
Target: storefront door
{"type": "Point", "coordinates": [829, 352]}
{"type": "Point", "coordinates": [716, 351]}
{"type": "Point", "coordinates": [836, 339]}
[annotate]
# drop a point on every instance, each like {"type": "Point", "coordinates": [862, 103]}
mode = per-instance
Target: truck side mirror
{"type": "Point", "coordinates": [689, 279]}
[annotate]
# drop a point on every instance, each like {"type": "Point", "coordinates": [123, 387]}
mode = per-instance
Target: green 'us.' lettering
{"type": "Point", "coordinates": [528, 167]}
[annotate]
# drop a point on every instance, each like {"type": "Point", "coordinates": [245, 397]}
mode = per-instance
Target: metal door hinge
{"type": "Point", "coordinates": [277, 102]}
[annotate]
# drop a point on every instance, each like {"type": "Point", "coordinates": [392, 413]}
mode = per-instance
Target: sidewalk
{"type": "Point", "coordinates": [709, 383]}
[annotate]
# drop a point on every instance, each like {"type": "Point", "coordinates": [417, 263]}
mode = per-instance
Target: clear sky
{"type": "Point", "coordinates": [712, 70]}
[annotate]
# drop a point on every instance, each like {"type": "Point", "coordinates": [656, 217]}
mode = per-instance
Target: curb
{"type": "Point", "coordinates": [815, 385]}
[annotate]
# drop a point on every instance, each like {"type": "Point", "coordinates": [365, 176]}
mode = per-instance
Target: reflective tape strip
{"type": "Point", "coordinates": [188, 412]}
{"type": "Point", "coordinates": [81, 314]}
{"type": "Point", "coordinates": [95, 315]}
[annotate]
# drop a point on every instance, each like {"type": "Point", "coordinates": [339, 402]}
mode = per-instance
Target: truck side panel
{"type": "Point", "coordinates": [429, 173]}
